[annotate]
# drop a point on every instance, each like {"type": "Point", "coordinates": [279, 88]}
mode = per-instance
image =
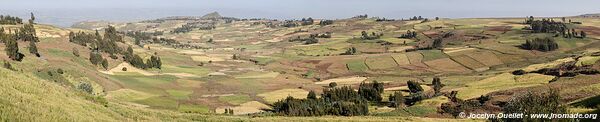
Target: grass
{"type": "Point", "coordinates": [401, 59]}
{"type": "Point", "coordinates": [159, 103]}
{"type": "Point", "coordinates": [380, 62]}
{"type": "Point", "coordinates": [503, 81]}
{"type": "Point", "coordinates": [179, 94]}
{"type": "Point", "coordinates": [148, 84]}
{"type": "Point", "coordinates": [429, 55]}
{"type": "Point", "coordinates": [128, 95]}
{"type": "Point", "coordinates": [235, 99]}
{"type": "Point", "coordinates": [195, 70]}
{"type": "Point", "coordinates": [356, 66]}
{"type": "Point", "coordinates": [193, 108]}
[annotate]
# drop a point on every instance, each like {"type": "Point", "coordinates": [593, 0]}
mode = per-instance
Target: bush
{"type": "Point", "coordinates": [519, 72]}
{"type": "Point", "coordinates": [7, 65]}
{"type": "Point", "coordinates": [396, 100]}
{"type": "Point", "coordinates": [437, 85]}
{"type": "Point", "coordinates": [86, 87]}
{"type": "Point", "coordinates": [60, 71]}
{"type": "Point", "coordinates": [535, 103]}
{"type": "Point", "coordinates": [332, 84]}
{"type": "Point", "coordinates": [75, 52]}
{"type": "Point", "coordinates": [124, 69]}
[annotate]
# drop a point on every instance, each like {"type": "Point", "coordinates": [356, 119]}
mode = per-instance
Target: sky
{"type": "Point", "coordinates": [67, 12]}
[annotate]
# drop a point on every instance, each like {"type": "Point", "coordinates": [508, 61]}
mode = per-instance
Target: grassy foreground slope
{"type": "Point", "coordinates": [28, 98]}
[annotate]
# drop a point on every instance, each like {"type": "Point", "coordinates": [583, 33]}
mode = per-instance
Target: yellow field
{"type": "Point", "coordinates": [346, 80]}
{"type": "Point", "coordinates": [503, 81]}
{"type": "Point", "coordinates": [277, 95]}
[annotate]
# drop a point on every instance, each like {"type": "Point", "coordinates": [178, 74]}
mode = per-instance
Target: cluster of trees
{"type": "Point", "coordinates": [97, 59]}
{"type": "Point", "coordinates": [409, 34]}
{"type": "Point", "coordinates": [350, 51]}
{"type": "Point", "coordinates": [325, 22]}
{"type": "Point", "coordinates": [383, 20]}
{"type": "Point", "coordinates": [366, 36]}
{"type": "Point", "coordinates": [139, 36]}
{"type": "Point", "coordinates": [25, 33]}
{"type": "Point", "coordinates": [540, 44]}
{"type": "Point", "coordinates": [551, 26]}
{"type": "Point", "coordinates": [371, 91]}
{"type": "Point", "coordinates": [343, 101]}
{"type": "Point", "coordinates": [191, 26]}
{"type": "Point", "coordinates": [136, 61]}
{"type": "Point", "coordinates": [567, 69]}
{"type": "Point", "coordinates": [106, 43]}
{"type": "Point", "coordinates": [10, 20]}
{"type": "Point", "coordinates": [183, 29]}
{"type": "Point", "coordinates": [12, 47]}
{"type": "Point", "coordinates": [308, 21]}
{"type": "Point", "coordinates": [346, 101]}
{"type": "Point", "coordinates": [302, 22]}
{"type": "Point", "coordinates": [361, 16]}
{"type": "Point", "coordinates": [310, 40]}
{"type": "Point", "coordinates": [416, 18]}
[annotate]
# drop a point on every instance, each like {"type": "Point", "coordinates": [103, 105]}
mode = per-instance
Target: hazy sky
{"type": "Point", "coordinates": [65, 12]}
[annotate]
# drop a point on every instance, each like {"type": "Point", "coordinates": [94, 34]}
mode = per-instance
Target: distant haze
{"type": "Point", "coordinates": [66, 12]}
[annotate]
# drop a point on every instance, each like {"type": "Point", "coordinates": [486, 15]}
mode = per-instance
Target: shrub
{"type": "Point", "coordinates": [75, 52]}
{"type": "Point", "coordinates": [60, 71]}
{"type": "Point", "coordinates": [396, 99]}
{"type": "Point", "coordinates": [332, 84]}
{"type": "Point", "coordinates": [7, 65]}
{"type": "Point", "coordinates": [437, 85]}
{"type": "Point", "coordinates": [86, 87]}
{"type": "Point", "coordinates": [535, 103]}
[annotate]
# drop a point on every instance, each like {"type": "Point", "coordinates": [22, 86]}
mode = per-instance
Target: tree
{"type": "Point", "coordinates": [437, 85]}
{"type": "Point", "coordinates": [371, 91]}
{"type": "Point", "coordinates": [414, 87]}
{"type": "Point", "coordinates": [12, 49]}
{"type": "Point", "coordinates": [33, 48]}
{"type": "Point", "coordinates": [104, 64]}
{"type": "Point", "coordinates": [437, 43]}
{"type": "Point", "coordinates": [32, 17]}
{"type": "Point", "coordinates": [332, 84]}
{"type": "Point", "coordinates": [311, 95]}
{"type": "Point", "coordinates": [95, 58]}
{"type": "Point", "coordinates": [396, 99]}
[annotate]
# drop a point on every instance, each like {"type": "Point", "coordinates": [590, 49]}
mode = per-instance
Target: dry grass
{"type": "Point", "coordinates": [277, 95]}
{"type": "Point", "coordinates": [346, 80]}
{"type": "Point", "coordinates": [503, 81]}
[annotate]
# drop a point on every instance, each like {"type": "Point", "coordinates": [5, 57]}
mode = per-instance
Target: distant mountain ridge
{"type": "Point", "coordinates": [590, 15]}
